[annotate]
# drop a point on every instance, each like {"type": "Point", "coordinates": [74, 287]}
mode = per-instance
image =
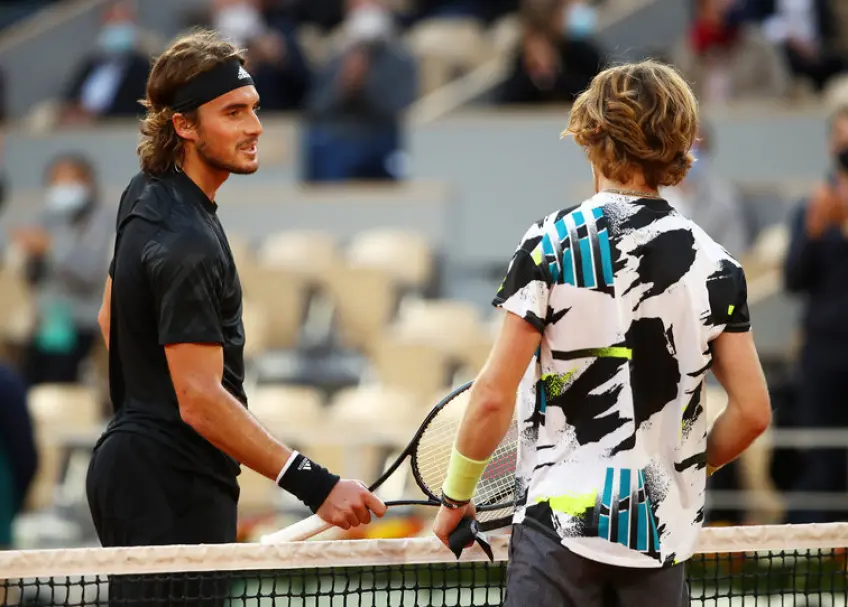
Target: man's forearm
{"type": "Point", "coordinates": [227, 424]}
{"type": "Point", "coordinates": [730, 435]}
{"type": "Point", "coordinates": [486, 423]}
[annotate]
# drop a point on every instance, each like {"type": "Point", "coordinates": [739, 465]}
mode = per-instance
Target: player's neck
{"type": "Point", "coordinates": [207, 178]}
{"type": "Point", "coordinates": [635, 186]}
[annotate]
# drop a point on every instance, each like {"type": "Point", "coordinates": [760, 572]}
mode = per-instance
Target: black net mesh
{"type": "Point", "coordinates": [772, 577]}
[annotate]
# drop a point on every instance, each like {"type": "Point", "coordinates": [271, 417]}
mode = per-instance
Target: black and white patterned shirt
{"type": "Point", "coordinates": [628, 295]}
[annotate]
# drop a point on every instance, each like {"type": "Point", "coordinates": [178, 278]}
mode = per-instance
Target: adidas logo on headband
{"type": "Point", "coordinates": [210, 84]}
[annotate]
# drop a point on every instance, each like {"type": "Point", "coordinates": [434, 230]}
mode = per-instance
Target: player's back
{"type": "Point", "coordinates": [613, 451]}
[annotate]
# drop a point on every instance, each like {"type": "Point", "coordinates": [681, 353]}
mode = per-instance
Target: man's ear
{"type": "Point", "coordinates": [185, 128]}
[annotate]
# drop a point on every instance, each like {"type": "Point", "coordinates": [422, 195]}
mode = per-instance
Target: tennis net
{"type": "Point", "coordinates": [770, 565]}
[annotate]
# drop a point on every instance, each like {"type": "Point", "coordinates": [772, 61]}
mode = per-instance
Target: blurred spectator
{"type": "Point", "coordinates": [484, 10]}
{"type": "Point", "coordinates": [805, 30]}
{"type": "Point", "coordinates": [725, 54]}
{"type": "Point", "coordinates": [816, 266]}
{"type": "Point", "coordinates": [18, 457]}
{"type": "Point", "coordinates": [711, 201]}
{"type": "Point", "coordinates": [67, 260]}
{"type": "Point", "coordinates": [112, 79]}
{"type": "Point", "coordinates": [715, 26]}
{"type": "Point", "coordinates": [557, 58]}
{"type": "Point", "coordinates": [274, 57]}
{"type": "Point", "coordinates": [326, 15]}
{"type": "Point", "coordinates": [355, 108]}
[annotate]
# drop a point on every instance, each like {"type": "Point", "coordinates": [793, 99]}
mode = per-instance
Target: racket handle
{"type": "Point", "coordinates": [298, 532]}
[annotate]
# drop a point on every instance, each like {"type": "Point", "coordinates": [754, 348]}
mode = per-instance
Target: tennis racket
{"type": "Point", "coordinates": [429, 453]}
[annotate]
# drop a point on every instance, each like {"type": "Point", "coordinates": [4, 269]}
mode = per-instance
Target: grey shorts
{"type": "Point", "coordinates": [544, 573]}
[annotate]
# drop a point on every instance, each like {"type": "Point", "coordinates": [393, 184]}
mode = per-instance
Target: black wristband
{"type": "Point", "coordinates": [308, 482]}
{"type": "Point", "coordinates": [449, 502]}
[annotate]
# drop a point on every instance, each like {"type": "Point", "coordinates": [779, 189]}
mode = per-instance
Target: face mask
{"type": "Point", "coordinates": [580, 21]}
{"type": "Point", "coordinates": [239, 22]}
{"type": "Point", "coordinates": [117, 38]}
{"type": "Point", "coordinates": [67, 198]}
{"type": "Point", "coordinates": [368, 24]}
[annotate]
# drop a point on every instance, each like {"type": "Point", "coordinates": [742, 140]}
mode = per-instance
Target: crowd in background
{"type": "Point", "coordinates": [352, 94]}
{"type": "Point", "coordinates": [764, 47]}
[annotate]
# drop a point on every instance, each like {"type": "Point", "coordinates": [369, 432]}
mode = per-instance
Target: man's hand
{"type": "Point", "coordinates": [448, 520]}
{"type": "Point", "coordinates": [350, 504]}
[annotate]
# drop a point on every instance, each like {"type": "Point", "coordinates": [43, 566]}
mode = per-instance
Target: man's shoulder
{"type": "Point", "coordinates": [146, 197]}
{"type": "Point", "coordinates": [555, 223]}
{"type": "Point", "coordinates": [711, 248]}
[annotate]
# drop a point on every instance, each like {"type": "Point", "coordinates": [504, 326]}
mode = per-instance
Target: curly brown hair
{"type": "Point", "coordinates": [160, 147]}
{"type": "Point", "coordinates": [637, 118]}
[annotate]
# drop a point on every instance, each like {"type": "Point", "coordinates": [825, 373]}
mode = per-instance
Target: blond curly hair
{"type": "Point", "coordinates": [637, 118]}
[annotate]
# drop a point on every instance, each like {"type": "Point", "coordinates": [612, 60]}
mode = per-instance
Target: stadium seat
{"type": "Point", "coordinates": [241, 249]}
{"type": "Point", "coordinates": [446, 47]}
{"type": "Point", "coordinates": [283, 408]}
{"type": "Point", "coordinates": [376, 406]}
{"type": "Point", "coordinates": [58, 410]}
{"type": "Point", "coordinates": [365, 300]}
{"type": "Point", "coordinates": [279, 295]}
{"type": "Point", "coordinates": [420, 368]}
{"type": "Point", "coordinates": [68, 407]}
{"type": "Point", "coordinates": [404, 254]}
{"type": "Point", "coordinates": [309, 252]}
{"type": "Point", "coordinates": [450, 325]}
{"type": "Point", "coordinates": [255, 317]}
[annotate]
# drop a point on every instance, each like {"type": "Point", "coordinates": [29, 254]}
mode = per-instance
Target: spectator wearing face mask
{"type": "Point", "coordinates": [67, 256]}
{"type": "Point", "coordinates": [274, 58]}
{"type": "Point", "coordinates": [557, 58]}
{"type": "Point", "coordinates": [815, 267]}
{"type": "Point", "coordinates": [355, 106]}
{"type": "Point", "coordinates": [111, 80]}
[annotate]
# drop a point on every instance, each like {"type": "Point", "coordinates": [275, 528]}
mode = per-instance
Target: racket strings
{"type": "Point", "coordinates": [432, 458]}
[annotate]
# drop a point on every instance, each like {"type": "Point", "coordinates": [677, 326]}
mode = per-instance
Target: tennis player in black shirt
{"type": "Point", "coordinates": [164, 471]}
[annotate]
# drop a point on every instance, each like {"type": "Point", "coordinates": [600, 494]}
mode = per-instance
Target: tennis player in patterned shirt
{"type": "Point", "coordinates": [616, 311]}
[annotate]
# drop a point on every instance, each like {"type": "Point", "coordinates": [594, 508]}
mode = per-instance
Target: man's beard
{"type": "Point", "coordinates": [221, 165]}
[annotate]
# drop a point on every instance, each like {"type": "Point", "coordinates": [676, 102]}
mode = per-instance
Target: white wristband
{"type": "Point", "coordinates": [289, 461]}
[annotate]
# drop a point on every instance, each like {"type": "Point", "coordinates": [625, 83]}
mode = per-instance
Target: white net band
{"type": "Point", "coordinates": [338, 554]}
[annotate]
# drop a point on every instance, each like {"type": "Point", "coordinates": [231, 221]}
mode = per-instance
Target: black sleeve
{"type": "Point", "coordinates": [736, 317]}
{"type": "Point", "coordinates": [740, 317]}
{"type": "Point", "coordinates": [728, 293]}
{"type": "Point", "coordinates": [185, 276]}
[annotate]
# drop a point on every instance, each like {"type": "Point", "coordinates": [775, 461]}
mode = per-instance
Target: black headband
{"type": "Point", "coordinates": [211, 84]}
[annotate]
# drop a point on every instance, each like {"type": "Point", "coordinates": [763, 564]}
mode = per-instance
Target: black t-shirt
{"type": "Point", "coordinates": [173, 281]}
